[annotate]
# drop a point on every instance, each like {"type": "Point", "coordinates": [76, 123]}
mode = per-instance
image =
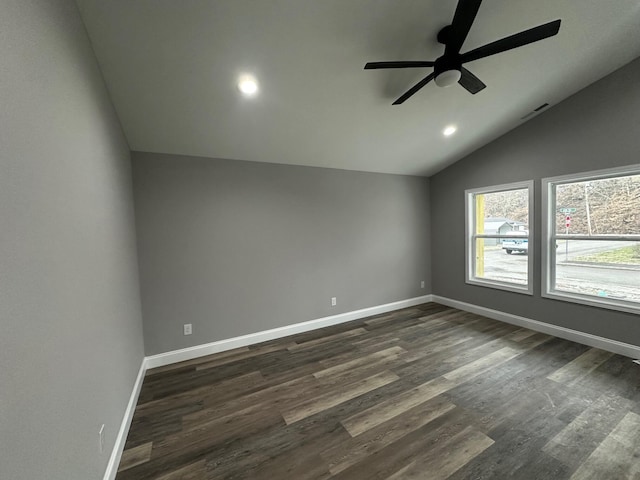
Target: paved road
{"type": "Point", "coordinates": [594, 279]}
{"type": "Point", "coordinates": [580, 248]}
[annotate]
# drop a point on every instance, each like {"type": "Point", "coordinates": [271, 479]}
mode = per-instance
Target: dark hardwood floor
{"type": "Point", "coordinates": [427, 392]}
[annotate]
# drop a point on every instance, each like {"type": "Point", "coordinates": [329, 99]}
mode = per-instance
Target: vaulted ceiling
{"type": "Point", "coordinates": [172, 69]}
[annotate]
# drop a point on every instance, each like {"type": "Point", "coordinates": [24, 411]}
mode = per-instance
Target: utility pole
{"type": "Point", "coordinates": [586, 201]}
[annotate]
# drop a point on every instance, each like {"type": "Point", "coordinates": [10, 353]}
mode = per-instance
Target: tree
{"type": "Point", "coordinates": [606, 206]}
{"type": "Point", "coordinates": [512, 204]}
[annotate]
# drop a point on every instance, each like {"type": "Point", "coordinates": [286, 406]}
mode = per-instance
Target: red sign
{"type": "Point", "coordinates": [568, 221]}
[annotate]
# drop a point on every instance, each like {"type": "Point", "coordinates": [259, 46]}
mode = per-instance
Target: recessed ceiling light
{"type": "Point", "coordinates": [450, 130]}
{"type": "Point", "coordinates": [248, 85]}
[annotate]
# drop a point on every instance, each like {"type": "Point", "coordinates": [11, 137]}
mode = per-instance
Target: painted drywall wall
{"type": "Point", "coordinates": [70, 322]}
{"type": "Point", "coordinates": [596, 128]}
{"type": "Point", "coordinates": [240, 247]}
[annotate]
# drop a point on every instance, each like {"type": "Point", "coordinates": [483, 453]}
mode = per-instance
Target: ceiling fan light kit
{"type": "Point", "coordinates": [448, 69]}
{"type": "Point", "coordinates": [448, 78]}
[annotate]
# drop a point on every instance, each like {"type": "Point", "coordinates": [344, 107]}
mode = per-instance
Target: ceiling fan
{"type": "Point", "coordinates": [448, 69]}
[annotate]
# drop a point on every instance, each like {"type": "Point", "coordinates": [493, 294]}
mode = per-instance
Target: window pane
{"type": "Point", "coordinates": [598, 268]}
{"type": "Point", "coordinates": [502, 212]}
{"type": "Point", "coordinates": [599, 207]}
{"type": "Point", "coordinates": [499, 260]}
{"type": "Point", "coordinates": [502, 262]}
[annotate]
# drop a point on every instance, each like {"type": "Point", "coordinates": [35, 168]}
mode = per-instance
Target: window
{"type": "Point", "coordinates": [591, 238]}
{"type": "Point", "coordinates": [498, 251]}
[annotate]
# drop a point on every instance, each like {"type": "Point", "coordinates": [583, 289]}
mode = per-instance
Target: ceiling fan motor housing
{"type": "Point", "coordinates": [447, 70]}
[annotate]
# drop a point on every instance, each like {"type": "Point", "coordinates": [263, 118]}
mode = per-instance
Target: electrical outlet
{"type": "Point", "coordinates": [422, 284]}
{"type": "Point", "coordinates": [187, 329]}
{"type": "Point", "coordinates": [334, 301]}
{"type": "Point", "coordinates": [101, 437]}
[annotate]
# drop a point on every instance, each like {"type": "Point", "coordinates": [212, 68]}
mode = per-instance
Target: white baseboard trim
{"type": "Point", "coordinates": [626, 349]}
{"type": "Point", "coordinates": [118, 448]}
{"type": "Point", "coordinates": [175, 356]}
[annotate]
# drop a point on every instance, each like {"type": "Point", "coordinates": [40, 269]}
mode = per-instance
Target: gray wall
{"type": "Point", "coordinates": [71, 333]}
{"type": "Point", "coordinates": [239, 247]}
{"type": "Point", "coordinates": [597, 128]}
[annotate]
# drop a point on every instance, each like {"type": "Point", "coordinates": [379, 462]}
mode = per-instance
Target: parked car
{"type": "Point", "coordinates": [520, 245]}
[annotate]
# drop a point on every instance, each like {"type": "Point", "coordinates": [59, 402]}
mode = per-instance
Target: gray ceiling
{"type": "Point", "coordinates": [172, 67]}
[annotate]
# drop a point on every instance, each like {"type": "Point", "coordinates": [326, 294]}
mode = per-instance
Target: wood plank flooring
{"type": "Point", "coordinates": [427, 392]}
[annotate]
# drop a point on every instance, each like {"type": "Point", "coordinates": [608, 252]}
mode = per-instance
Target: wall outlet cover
{"type": "Point", "coordinates": [187, 329]}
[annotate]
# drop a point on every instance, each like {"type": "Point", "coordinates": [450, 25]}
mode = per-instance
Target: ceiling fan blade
{"type": "Point", "coordinates": [466, 12]}
{"type": "Point", "coordinates": [414, 89]}
{"type": "Point", "coordinates": [470, 82]}
{"type": "Point", "coordinates": [514, 41]}
{"type": "Point", "coordinates": [376, 65]}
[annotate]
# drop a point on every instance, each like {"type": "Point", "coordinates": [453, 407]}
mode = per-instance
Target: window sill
{"type": "Point", "coordinates": [509, 287]}
{"type": "Point", "coordinates": [609, 303]}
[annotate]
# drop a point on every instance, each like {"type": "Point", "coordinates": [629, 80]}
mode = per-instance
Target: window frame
{"type": "Point", "coordinates": [549, 239]}
{"type": "Point", "coordinates": [471, 237]}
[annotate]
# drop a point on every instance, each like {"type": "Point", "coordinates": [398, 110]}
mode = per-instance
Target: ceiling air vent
{"type": "Point", "coordinates": [535, 110]}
